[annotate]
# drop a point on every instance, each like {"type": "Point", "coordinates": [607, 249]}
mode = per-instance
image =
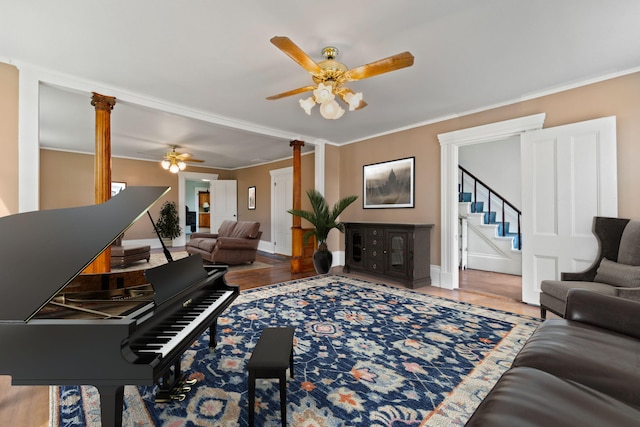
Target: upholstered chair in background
{"type": "Point", "coordinates": [615, 271]}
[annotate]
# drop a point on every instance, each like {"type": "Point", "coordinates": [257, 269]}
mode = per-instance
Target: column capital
{"type": "Point", "coordinates": [296, 143]}
{"type": "Point", "coordinates": [103, 102]}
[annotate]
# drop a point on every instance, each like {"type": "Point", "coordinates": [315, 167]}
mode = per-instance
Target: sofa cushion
{"type": "Point", "coordinates": [598, 358]}
{"type": "Point", "coordinates": [528, 397]}
{"type": "Point", "coordinates": [560, 288]}
{"type": "Point", "coordinates": [246, 229]}
{"type": "Point", "coordinates": [629, 249]}
{"type": "Point", "coordinates": [226, 228]}
{"type": "Point", "coordinates": [617, 274]}
{"type": "Point", "coordinates": [207, 244]}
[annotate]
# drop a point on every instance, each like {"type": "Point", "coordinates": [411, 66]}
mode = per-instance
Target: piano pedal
{"type": "Point", "coordinates": [165, 399]}
{"type": "Point", "coordinates": [178, 397]}
{"type": "Point", "coordinates": [175, 393]}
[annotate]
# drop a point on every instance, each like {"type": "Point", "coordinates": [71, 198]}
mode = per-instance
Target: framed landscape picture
{"type": "Point", "coordinates": [389, 184]}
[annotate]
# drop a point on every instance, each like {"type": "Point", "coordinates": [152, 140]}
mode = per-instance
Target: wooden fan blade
{"type": "Point", "coordinates": [291, 92]}
{"type": "Point", "coordinates": [392, 63]}
{"type": "Point", "coordinates": [186, 157]}
{"type": "Point", "coordinates": [290, 48]}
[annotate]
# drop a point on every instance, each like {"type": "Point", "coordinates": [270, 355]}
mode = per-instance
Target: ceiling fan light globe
{"type": "Point", "coordinates": [323, 93]}
{"type": "Point", "coordinates": [353, 99]}
{"type": "Point", "coordinates": [182, 165]}
{"type": "Point", "coordinates": [307, 104]}
{"type": "Point", "coordinates": [165, 164]}
{"type": "Point", "coordinates": [331, 110]}
{"type": "Point", "coordinates": [174, 168]}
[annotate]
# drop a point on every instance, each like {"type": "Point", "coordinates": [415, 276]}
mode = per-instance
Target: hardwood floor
{"type": "Point", "coordinates": [28, 406]}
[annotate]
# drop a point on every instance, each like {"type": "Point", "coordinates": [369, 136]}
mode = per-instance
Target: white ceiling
{"type": "Point", "coordinates": [197, 73]}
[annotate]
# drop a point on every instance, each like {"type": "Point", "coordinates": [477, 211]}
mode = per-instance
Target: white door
{"type": "Point", "coordinates": [282, 200]}
{"type": "Point", "coordinates": [224, 195]}
{"type": "Point", "coordinates": [569, 175]}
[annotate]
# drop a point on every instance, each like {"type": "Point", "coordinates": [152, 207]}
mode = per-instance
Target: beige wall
{"type": "Point", "coordinates": [9, 139]}
{"type": "Point", "coordinates": [616, 97]}
{"type": "Point", "coordinates": [66, 180]}
{"type": "Point", "coordinates": [260, 177]}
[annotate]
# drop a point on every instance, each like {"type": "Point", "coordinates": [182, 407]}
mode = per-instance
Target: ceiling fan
{"type": "Point", "coordinates": [175, 162]}
{"type": "Point", "coordinates": [330, 75]}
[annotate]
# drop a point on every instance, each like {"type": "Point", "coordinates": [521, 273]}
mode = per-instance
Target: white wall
{"type": "Point", "coordinates": [497, 164]}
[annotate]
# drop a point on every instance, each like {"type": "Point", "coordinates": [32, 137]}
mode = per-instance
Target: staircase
{"type": "Point", "coordinates": [488, 241]}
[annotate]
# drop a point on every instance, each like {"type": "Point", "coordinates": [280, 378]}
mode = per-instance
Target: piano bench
{"type": "Point", "coordinates": [271, 357]}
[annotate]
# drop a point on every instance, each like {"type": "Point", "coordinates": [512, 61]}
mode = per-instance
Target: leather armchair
{"type": "Point", "coordinates": [615, 271]}
{"type": "Point", "coordinates": [236, 242]}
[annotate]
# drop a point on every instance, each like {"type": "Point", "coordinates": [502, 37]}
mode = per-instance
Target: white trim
{"type": "Point", "coordinates": [28, 142]}
{"type": "Point", "coordinates": [319, 150]}
{"type": "Point", "coordinates": [62, 80]}
{"type": "Point", "coordinates": [449, 143]}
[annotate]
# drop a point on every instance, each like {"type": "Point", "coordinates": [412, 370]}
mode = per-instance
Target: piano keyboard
{"type": "Point", "coordinates": [165, 336]}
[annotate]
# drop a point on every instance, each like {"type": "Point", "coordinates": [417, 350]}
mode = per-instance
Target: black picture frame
{"type": "Point", "coordinates": [251, 198]}
{"type": "Point", "coordinates": [389, 184]}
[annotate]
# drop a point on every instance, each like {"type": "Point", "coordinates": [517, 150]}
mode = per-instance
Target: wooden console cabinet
{"type": "Point", "coordinates": [401, 252]}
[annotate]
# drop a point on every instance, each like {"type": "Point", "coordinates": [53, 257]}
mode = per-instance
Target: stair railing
{"type": "Point", "coordinates": [490, 191]}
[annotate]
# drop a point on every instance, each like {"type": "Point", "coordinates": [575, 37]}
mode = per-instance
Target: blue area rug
{"type": "Point", "coordinates": [365, 355]}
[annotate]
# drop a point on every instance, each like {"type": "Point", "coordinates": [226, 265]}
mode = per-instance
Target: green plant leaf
{"type": "Point", "coordinates": [321, 217]}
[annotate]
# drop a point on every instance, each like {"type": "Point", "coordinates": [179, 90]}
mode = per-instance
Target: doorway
{"type": "Point", "coordinates": [568, 176]}
{"type": "Point", "coordinates": [189, 198]}
{"type": "Point", "coordinates": [281, 202]}
{"type": "Point", "coordinates": [449, 144]}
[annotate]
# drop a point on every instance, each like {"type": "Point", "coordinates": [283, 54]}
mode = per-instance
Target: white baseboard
{"type": "Point", "coordinates": [435, 276]}
{"type": "Point", "coordinates": [265, 247]}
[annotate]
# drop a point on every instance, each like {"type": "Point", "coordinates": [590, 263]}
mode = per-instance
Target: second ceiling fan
{"type": "Point", "coordinates": [330, 75]}
{"type": "Point", "coordinates": [175, 162]}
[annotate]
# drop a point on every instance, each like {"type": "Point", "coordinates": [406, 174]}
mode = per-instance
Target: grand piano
{"type": "Point", "coordinates": [108, 334]}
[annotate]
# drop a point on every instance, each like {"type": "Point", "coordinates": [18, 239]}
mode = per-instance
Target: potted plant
{"type": "Point", "coordinates": [168, 223]}
{"type": "Point", "coordinates": [323, 221]}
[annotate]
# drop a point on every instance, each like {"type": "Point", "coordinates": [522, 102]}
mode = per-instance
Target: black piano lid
{"type": "Point", "coordinates": [42, 251]}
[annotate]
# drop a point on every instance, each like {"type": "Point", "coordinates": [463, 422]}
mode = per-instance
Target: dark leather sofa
{"type": "Point", "coordinates": [583, 370]}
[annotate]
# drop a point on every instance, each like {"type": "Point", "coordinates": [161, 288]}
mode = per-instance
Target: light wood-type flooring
{"type": "Point", "coordinates": [28, 406]}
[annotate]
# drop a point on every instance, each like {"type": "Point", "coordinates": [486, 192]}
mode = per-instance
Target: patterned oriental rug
{"type": "Point", "coordinates": [365, 355]}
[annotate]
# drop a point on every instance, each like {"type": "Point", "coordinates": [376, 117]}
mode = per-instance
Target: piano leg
{"type": "Point", "coordinates": [213, 334]}
{"type": "Point", "coordinates": [111, 405]}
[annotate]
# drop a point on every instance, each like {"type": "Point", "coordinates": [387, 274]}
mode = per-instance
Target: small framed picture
{"type": "Point", "coordinates": [117, 187]}
{"type": "Point", "coordinates": [389, 184]}
{"type": "Point", "coordinates": [251, 199]}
